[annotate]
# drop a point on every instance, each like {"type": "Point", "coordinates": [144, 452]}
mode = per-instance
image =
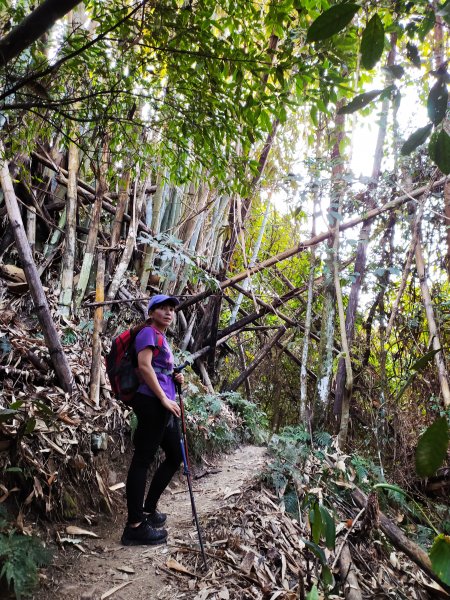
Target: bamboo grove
{"type": "Point", "coordinates": [145, 147]}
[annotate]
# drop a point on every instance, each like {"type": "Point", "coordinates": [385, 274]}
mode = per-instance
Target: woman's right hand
{"type": "Point", "coordinates": [172, 406]}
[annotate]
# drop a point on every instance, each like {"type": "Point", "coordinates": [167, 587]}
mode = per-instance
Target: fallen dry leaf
{"type": "Point", "coordinates": [74, 530]}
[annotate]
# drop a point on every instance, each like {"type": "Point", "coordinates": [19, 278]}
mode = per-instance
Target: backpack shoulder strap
{"type": "Point", "coordinates": [159, 341]}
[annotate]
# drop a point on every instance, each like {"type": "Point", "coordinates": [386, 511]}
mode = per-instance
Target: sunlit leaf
{"type": "Point", "coordinates": [313, 594]}
{"type": "Point", "coordinates": [416, 139]}
{"type": "Point", "coordinates": [372, 42]}
{"type": "Point", "coordinates": [6, 414]}
{"type": "Point", "coordinates": [437, 102]}
{"type": "Point", "coordinates": [432, 448]}
{"type": "Point", "coordinates": [444, 11]}
{"type": "Point", "coordinates": [331, 21]}
{"type": "Point", "coordinates": [359, 102]}
{"type": "Point", "coordinates": [329, 527]}
{"type": "Point", "coordinates": [317, 550]}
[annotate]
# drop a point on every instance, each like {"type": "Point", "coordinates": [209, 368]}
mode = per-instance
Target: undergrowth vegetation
{"type": "Point", "coordinates": [314, 482]}
{"type": "Point", "coordinates": [20, 557]}
{"type": "Point", "coordinates": [220, 422]}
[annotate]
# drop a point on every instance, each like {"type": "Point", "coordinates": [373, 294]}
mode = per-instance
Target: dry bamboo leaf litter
{"type": "Point", "coordinates": [257, 553]}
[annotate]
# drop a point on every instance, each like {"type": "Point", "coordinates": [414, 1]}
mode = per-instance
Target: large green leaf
{"type": "Point", "coordinates": [440, 557]}
{"type": "Point", "coordinates": [313, 594]}
{"type": "Point", "coordinates": [424, 360]}
{"type": "Point", "coordinates": [6, 414]}
{"type": "Point", "coordinates": [317, 550]}
{"type": "Point", "coordinates": [359, 102]}
{"type": "Point", "coordinates": [441, 152]}
{"type": "Point", "coordinates": [437, 101]}
{"type": "Point", "coordinates": [315, 519]}
{"type": "Point", "coordinates": [330, 528]}
{"type": "Point", "coordinates": [331, 21]}
{"type": "Point", "coordinates": [372, 42]}
{"type": "Point", "coordinates": [432, 448]}
{"type": "Point", "coordinates": [416, 139]}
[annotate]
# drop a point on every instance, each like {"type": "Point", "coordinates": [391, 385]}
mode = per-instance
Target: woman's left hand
{"type": "Point", "coordinates": [179, 378]}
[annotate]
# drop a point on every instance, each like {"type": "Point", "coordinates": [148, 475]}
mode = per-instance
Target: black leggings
{"type": "Point", "coordinates": [156, 427]}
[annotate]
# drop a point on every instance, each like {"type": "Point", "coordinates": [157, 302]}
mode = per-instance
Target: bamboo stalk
{"type": "Point", "coordinates": [31, 227]}
{"type": "Point", "coordinates": [124, 188]}
{"type": "Point", "coordinates": [129, 247]}
{"type": "Point", "coordinates": [432, 326]}
{"type": "Point", "coordinates": [302, 246]}
{"type": "Point", "coordinates": [234, 385]}
{"type": "Point", "coordinates": [44, 316]}
{"type": "Point", "coordinates": [68, 261]}
{"type": "Point", "coordinates": [89, 252]}
{"type": "Point", "coordinates": [94, 394]}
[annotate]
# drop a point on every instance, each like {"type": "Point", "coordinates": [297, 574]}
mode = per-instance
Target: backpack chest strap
{"type": "Point", "coordinates": [163, 371]}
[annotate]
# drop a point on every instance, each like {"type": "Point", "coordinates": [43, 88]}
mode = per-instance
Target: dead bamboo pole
{"type": "Point", "coordinates": [94, 392]}
{"type": "Point", "coordinates": [44, 316]}
{"type": "Point", "coordinates": [87, 190]}
{"type": "Point", "coordinates": [317, 239]}
{"type": "Point", "coordinates": [94, 226]}
{"type": "Point", "coordinates": [129, 244]}
{"type": "Point", "coordinates": [68, 262]}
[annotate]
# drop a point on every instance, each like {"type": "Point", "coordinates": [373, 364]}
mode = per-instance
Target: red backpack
{"type": "Point", "coordinates": [122, 365]}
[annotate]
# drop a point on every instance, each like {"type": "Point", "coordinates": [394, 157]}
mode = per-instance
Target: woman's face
{"type": "Point", "coordinates": [163, 315]}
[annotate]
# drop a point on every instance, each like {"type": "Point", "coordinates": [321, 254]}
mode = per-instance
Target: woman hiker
{"type": "Point", "coordinates": [156, 410]}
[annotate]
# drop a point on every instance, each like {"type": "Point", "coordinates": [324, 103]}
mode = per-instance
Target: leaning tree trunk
{"type": "Point", "coordinates": [234, 385]}
{"type": "Point", "coordinates": [44, 316]}
{"type": "Point", "coordinates": [302, 246]}
{"type": "Point", "coordinates": [28, 31]}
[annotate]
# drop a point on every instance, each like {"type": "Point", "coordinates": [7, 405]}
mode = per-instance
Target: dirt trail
{"type": "Point", "coordinates": [107, 564]}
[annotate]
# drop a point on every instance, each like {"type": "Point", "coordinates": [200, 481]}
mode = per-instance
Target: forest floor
{"type": "Point", "coordinates": [106, 565]}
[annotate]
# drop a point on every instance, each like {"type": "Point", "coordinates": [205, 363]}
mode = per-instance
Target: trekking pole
{"type": "Point", "coordinates": [182, 433]}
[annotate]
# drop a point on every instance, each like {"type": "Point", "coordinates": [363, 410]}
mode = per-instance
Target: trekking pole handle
{"type": "Point", "coordinates": [180, 368]}
{"type": "Point", "coordinates": [177, 370]}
